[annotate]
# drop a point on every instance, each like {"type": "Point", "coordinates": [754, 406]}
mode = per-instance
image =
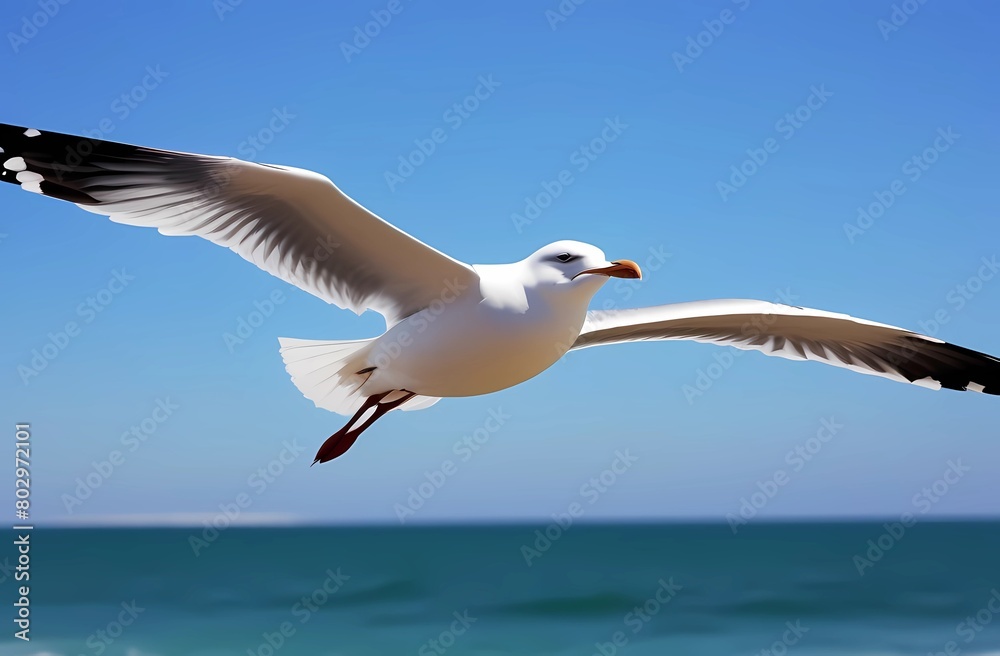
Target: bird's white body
{"type": "Point", "coordinates": [501, 333]}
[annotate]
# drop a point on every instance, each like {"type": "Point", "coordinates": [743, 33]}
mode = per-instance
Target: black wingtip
{"type": "Point", "coordinates": [954, 367]}
{"type": "Point", "coordinates": [66, 164]}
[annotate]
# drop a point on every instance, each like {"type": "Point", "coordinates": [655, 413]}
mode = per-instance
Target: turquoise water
{"type": "Point", "coordinates": [665, 589]}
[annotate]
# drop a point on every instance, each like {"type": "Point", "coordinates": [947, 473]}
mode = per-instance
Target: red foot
{"type": "Point", "coordinates": [337, 444]}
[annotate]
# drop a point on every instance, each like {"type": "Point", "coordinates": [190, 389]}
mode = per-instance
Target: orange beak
{"type": "Point", "coordinates": [619, 269]}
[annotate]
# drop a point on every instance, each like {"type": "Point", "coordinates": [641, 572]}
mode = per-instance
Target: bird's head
{"type": "Point", "coordinates": [578, 265]}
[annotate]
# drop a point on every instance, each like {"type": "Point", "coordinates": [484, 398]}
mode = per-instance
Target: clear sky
{"type": "Point", "coordinates": [838, 102]}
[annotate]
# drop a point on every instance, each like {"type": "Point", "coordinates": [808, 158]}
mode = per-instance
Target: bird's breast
{"type": "Point", "coordinates": [471, 349]}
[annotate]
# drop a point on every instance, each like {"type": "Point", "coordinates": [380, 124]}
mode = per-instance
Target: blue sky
{"type": "Point", "coordinates": [837, 102]}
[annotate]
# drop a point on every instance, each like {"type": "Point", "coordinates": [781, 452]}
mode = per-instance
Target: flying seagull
{"type": "Point", "coordinates": [452, 329]}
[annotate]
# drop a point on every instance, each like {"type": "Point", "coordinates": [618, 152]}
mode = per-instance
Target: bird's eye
{"type": "Point", "coordinates": [564, 257]}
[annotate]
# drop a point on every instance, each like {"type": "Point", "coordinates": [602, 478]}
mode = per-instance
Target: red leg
{"type": "Point", "coordinates": [337, 444]}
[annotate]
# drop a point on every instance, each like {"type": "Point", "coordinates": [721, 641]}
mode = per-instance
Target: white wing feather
{"type": "Point", "coordinates": [798, 333]}
{"type": "Point", "coordinates": [292, 223]}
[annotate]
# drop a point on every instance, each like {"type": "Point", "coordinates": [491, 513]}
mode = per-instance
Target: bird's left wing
{"type": "Point", "coordinates": [292, 223]}
{"type": "Point", "coordinates": [802, 334]}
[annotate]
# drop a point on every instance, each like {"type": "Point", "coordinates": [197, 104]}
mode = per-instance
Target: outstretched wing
{"type": "Point", "coordinates": [802, 334]}
{"type": "Point", "coordinates": [292, 223]}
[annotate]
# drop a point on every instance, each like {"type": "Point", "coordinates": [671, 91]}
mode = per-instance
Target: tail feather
{"type": "Point", "coordinates": [331, 373]}
{"type": "Point", "coordinates": [326, 372]}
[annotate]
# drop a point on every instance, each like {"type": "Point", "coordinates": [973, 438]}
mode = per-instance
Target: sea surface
{"type": "Point", "coordinates": [773, 589]}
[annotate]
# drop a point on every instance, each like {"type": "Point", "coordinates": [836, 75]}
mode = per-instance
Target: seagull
{"type": "Point", "coordinates": [452, 329]}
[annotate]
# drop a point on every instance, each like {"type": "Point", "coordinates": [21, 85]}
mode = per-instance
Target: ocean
{"type": "Point", "coordinates": [770, 589]}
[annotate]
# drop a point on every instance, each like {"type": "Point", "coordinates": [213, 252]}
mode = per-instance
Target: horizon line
{"type": "Point", "coordinates": [169, 521]}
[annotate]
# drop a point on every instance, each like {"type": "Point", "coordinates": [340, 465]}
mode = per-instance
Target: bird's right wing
{"type": "Point", "coordinates": [802, 334]}
{"type": "Point", "coordinates": [292, 223]}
